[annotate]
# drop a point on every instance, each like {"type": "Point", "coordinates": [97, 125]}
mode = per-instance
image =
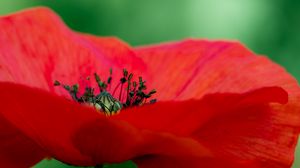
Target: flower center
{"type": "Point", "coordinates": [134, 93]}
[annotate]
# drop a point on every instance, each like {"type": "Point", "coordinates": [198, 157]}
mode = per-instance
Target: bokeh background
{"type": "Point", "coordinates": [268, 27]}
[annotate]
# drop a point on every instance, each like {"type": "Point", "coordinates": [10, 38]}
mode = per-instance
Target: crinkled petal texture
{"type": "Point", "coordinates": [37, 49]}
{"type": "Point", "coordinates": [195, 68]}
{"type": "Point", "coordinates": [219, 105]}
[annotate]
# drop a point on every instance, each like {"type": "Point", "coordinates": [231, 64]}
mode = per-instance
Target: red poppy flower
{"type": "Point", "coordinates": [219, 105]}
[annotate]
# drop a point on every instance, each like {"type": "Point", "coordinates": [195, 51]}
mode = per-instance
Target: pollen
{"type": "Point", "coordinates": [127, 93]}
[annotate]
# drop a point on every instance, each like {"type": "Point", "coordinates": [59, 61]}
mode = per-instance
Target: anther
{"type": "Point", "coordinates": [132, 95]}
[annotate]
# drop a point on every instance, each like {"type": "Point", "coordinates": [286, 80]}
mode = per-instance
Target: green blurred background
{"type": "Point", "coordinates": [269, 27]}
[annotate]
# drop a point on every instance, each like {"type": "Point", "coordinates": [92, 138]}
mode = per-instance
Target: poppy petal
{"type": "Point", "coordinates": [47, 119]}
{"type": "Point", "coordinates": [267, 135]}
{"type": "Point", "coordinates": [36, 40]}
{"type": "Point", "coordinates": [250, 127]}
{"type": "Point", "coordinates": [193, 68]}
{"type": "Point", "coordinates": [184, 117]}
{"type": "Point", "coordinates": [26, 154]}
{"type": "Point", "coordinates": [117, 50]}
{"type": "Point", "coordinates": [55, 123]}
{"type": "Point", "coordinates": [147, 138]}
{"type": "Point", "coordinates": [117, 141]}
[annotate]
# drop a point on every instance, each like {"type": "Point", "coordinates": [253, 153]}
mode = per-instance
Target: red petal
{"type": "Point", "coordinates": [48, 120]}
{"type": "Point", "coordinates": [227, 124]}
{"type": "Point", "coordinates": [193, 68]}
{"type": "Point", "coordinates": [116, 50]}
{"type": "Point", "coordinates": [117, 141]}
{"type": "Point", "coordinates": [262, 134]}
{"type": "Point", "coordinates": [184, 117]}
{"type": "Point", "coordinates": [55, 123]}
{"type": "Point", "coordinates": [265, 135]}
{"type": "Point", "coordinates": [37, 48]}
{"type": "Point", "coordinates": [36, 41]}
{"type": "Point", "coordinates": [17, 150]}
{"type": "Point", "coordinates": [95, 136]}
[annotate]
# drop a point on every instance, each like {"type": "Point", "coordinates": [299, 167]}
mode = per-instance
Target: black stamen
{"type": "Point", "coordinates": [153, 101]}
{"type": "Point", "coordinates": [110, 77]}
{"type": "Point", "coordinates": [104, 101]}
{"type": "Point", "coordinates": [56, 83]}
{"type": "Point", "coordinates": [125, 72]}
